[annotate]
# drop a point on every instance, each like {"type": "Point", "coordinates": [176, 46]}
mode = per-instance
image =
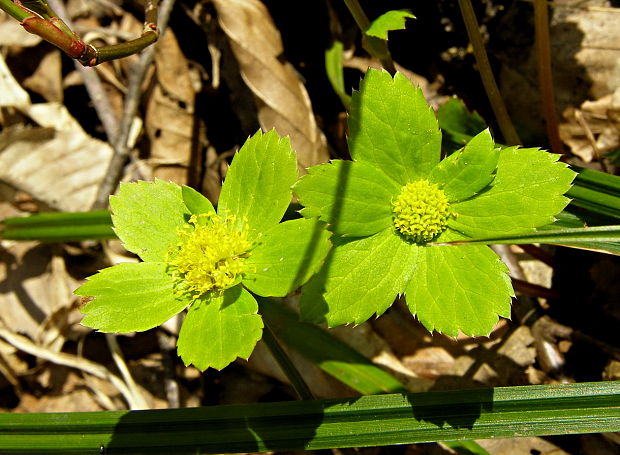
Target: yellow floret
{"type": "Point", "coordinates": [210, 255]}
{"type": "Point", "coordinates": [420, 212]}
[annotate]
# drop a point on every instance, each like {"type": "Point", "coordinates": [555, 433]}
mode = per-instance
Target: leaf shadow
{"type": "Point", "coordinates": [296, 425]}
{"type": "Point", "coordinates": [320, 308]}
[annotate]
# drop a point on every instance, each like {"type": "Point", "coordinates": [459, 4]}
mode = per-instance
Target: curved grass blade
{"type": "Point", "coordinates": [328, 353]}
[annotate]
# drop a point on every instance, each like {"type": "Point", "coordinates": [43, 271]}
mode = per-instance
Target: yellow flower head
{"type": "Point", "coordinates": [210, 255]}
{"type": "Point", "coordinates": [420, 211]}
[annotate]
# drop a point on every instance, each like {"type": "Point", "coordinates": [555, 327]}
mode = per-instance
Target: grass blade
{"type": "Point", "coordinates": [320, 424]}
{"type": "Point", "coordinates": [330, 354]}
{"type": "Point", "coordinates": [599, 238]}
{"type": "Point", "coordinates": [59, 227]}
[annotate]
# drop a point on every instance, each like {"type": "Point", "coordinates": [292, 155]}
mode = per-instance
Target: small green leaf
{"type": "Point", "coordinates": [196, 203]}
{"type": "Point", "coordinates": [454, 116]}
{"type": "Point", "coordinates": [220, 328]}
{"type": "Point", "coordinates": [353, 197]}
{"type": "Point", "coordinates": [146, 216]}
{"type": "Point", "coordinates": [457, 124]}
{"type": "Point", "coordinates": [335, 74]}
{"type": "Point", "coordinates": [286, 257]}
{"type": "Point", "coordinates": [461, 288]}
{"type": "Point", "coordinates": [392, 20]}
{"type": "Point", "coordinates": [392, 127]}
{"type": "Point", "coordinates": [360, 278]}
{"type": "Point", "coordinates": [130, 297]}
{"type": "Point", "coordinates": [466, 172]}
{"type": "Point", "coordinates": [527, 192]}
{"type": "Point", "coordinates": [258, 184]}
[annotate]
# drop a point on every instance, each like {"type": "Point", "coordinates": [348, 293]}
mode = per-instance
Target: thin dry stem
{"type": "Point", "coordinates": [132, 101]}
{"type": "Point", "coordinates": [545, 77]}
{"type": "Point", "coordinates": [488, 80]}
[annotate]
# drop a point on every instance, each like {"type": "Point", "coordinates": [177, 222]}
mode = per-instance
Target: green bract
{"type": "Point", "coordinates": [396, 196]}
{"type": "Point", "coordinates": [392, 20]}
{"type": "Point", "coordinates": [208, 260]}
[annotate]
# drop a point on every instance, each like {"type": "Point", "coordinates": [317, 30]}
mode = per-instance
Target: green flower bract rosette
{"type": "Point", "coordinates": [206, 260]}
{"type": "Point", "coordinates": [396, 199]}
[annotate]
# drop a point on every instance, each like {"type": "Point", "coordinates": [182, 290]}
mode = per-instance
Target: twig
{"type": "Point", "coordinates": [545, 77]}
{"type": "Point", "coordinates": [591, 139]}
{"type": "Point", "coordinates": [488, 80]}
{"type": "Point", "coordinates": [167, 346]}
{"type": "Point", "coordinates": [117, 355]}
{"type": "Point", "coordinates": [60, 358]}
{"type": "Point", "coordinates": [92, 83]}
{"type": "Point", "coordinates": [121, 147]}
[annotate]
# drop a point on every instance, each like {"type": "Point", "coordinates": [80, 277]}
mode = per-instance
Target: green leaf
{"type": "Point", "coordinates": [146, 216]}
{"type": "Point", "coordinates": [335, 74]}
{"type": "Point", "coordinates": [196, 203]}
{"type": "Point", "coordinates": [392, 127]}
{"type": "Point", "coordinates": [130, 297]}
{"type": "Point", "coordinates": [219, 328]}
{"type": "Point", "coordinates": [360, 278]}
{"type": "Point", "coordinates": [258, 184]}
{"type": "Point", "coordinates": [526, 193]}
{"type": "Point", "coordinates": [459, 288]}
{"type": "Point", "coordinates": [286, 257]}
{"type": "Point", "coordinates": [392, 20]}
{"type": "Point", "coordinates": [458, 124]}
{"type": "Point", "coordinates": [466, 172]}
{"type": "Point", "coordinates": [353, 197]}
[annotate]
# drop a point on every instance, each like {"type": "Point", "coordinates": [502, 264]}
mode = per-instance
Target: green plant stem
{"type": "Point", "coordinates": [375, 46]}
{"type": "Point", "coordinates": [15, 11]}
{"type": "Point", "coordinates": [286, 364]}
{"type": "Point", "coordinates": [545, 77]}
{"type": "Point", "coordinates": [488, 80]}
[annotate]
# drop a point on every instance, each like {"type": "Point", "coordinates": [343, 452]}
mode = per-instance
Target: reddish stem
{"type": "Point", "coordinates": [49, 32]}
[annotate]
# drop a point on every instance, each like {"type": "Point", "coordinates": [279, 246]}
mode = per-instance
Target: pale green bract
{"type": "Point", "coordinates": [206, 260]}
{"type": "Point", "coordinates": [387, 209]}
{"type": "Point", "coordinates": [392, 20]}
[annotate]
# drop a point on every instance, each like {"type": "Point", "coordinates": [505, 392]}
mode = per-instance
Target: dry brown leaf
{"type": "Point", "coordinates": [170, 114]}
{"type": "Point", "coordinates": [321, 384]}
{"type": "Point", "coordinates": [70, 396]}
{"type": "Point", "coordinates": [60, 167]}
{"type": "Point", "coordinates": [13, 34]}
{"type": "Point", "coordinates": [594, 129]}
{"type": "Point", "coordinates": [516, 446]}
{"type": "Point", "coordinates": [57, 162]}
{"type": "Point", "coordinates": [585, 51]}
{"type": "Point", "coordinates": [370, 344]}
{"type": "Point", "coordinates": [281, 99]}
{"type": "Point", "coordinates": [599, 41]}
{"type": "Point", "coordinates": [430, 362]}
{"type": "Point", "coordinates": [47, 79]}
{"type": "Point", "coordinates": [11, 93]}
{"type": "Point", "coordinates": [32, 290]}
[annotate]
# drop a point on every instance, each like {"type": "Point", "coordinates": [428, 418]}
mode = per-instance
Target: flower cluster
{"type": "Point", "coordinates": [396, 205]}
{"type": "Point", "coordinates": [211, 262]}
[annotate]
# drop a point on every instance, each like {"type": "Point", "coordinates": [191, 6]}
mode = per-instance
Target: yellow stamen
{"type": "Point", "coordinates": [210, 255]}
{"type": "Point", "coordinates": [420, 211]}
